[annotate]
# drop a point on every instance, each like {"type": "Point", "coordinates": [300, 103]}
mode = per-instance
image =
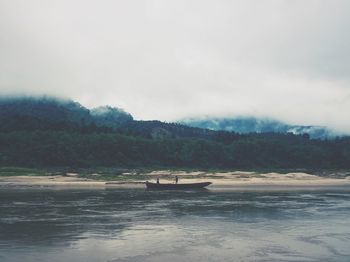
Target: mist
{"type": "Point", "coordinates": [168, 60]}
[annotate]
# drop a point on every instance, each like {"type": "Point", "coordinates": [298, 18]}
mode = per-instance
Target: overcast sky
{"type": "Point", "coordinates": [286, 59]}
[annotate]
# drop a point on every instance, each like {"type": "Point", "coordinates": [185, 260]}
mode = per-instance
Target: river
{"type": "Point", "coordinates": [139, 225]}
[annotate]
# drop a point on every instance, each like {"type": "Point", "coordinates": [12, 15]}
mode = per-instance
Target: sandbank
{"type": "Point", "coordinates": [234, 180]}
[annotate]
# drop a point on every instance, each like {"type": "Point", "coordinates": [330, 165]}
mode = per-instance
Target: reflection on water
{"type": "Point", "coordinates": [140, 225]}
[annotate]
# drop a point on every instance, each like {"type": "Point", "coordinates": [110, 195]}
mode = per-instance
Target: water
{"type": "Point", "coordinates": [140, 225]}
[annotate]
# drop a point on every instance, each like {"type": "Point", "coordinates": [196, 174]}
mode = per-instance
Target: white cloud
{"type": "Point", "coordinates": [171, 59]}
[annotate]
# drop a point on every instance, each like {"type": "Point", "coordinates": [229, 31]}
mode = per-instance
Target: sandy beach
{"type": "Point", "coordinates": [226, 180]}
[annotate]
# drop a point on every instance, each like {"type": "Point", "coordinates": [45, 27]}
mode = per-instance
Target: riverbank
{"type": "Point", "coordinates": [220, 180]}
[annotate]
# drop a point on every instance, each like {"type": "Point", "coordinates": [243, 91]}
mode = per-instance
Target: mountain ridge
{"type": "Point", "coordinates": [52, 133]}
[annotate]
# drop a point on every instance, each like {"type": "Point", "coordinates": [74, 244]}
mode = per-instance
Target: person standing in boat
{"type": "Point", "coordinates": [157, 180]}
{"type": "Point", "coordinates": [176, 179]}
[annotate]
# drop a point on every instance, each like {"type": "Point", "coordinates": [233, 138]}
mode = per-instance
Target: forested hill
{"type": "Point", "coordinates": [31, 114]}
{"type": "Point", "coordinates": [47, 132]}
{"type": "Point", "coordinates": [58, 114]}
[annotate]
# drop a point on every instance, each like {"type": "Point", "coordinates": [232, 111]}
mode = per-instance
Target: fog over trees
{"type": "Point", "coordinates": [53, 133]}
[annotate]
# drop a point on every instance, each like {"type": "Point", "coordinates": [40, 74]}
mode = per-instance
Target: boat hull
{"type": "Point", "coordinates": [202, 185]}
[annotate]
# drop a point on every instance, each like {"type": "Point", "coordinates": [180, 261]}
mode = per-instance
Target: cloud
{"type": "Point", "coordinates": [171, 59]}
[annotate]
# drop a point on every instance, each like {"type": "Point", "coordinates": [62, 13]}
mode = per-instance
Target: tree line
{"type": "Point", "coordinates": [53, 133]}
{"type": "Point", "coordinates": [80, 149]}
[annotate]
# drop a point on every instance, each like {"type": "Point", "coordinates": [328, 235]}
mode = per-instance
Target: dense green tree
{"type": "Point", "coordinates": [48, 133]}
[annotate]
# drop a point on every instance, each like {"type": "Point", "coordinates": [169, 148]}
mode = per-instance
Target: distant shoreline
{"type": "Point", "coordinates": [235, 180]}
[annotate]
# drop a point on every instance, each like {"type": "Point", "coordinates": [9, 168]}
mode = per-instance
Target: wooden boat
{"type": "Point", "coordinates": [151, 185]}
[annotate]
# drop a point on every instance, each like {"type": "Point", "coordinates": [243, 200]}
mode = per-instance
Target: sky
{"type": "Point", "coordinates": [283, 59]}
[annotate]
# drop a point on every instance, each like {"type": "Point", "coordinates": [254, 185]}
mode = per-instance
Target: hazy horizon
{"type": "Point", "coordinates": [284, 60]}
